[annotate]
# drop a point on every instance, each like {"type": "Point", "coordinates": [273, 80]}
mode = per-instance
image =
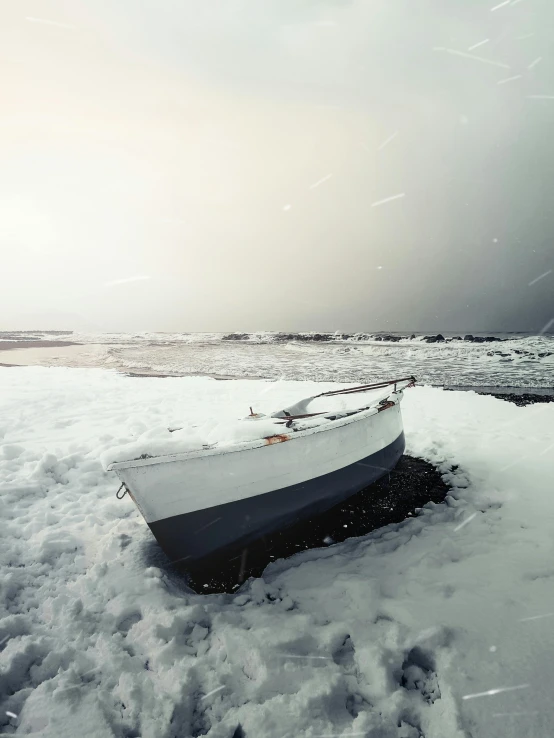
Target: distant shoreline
{"type": "Point", "coordinates": [9, 345]}
{"type": "Point", "coordinates": [520, 396]}
{"type": "Point", "coordinates": [60, 352]}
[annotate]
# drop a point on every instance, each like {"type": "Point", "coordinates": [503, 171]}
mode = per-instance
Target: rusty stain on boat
{"type": "Point", "coordinates": [279, 438]}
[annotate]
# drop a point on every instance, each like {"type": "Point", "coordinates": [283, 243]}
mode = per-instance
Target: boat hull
{"type": "Point", "coordinates": [230, 527]}
{"type": "Point", "coordinates": [206, 503]}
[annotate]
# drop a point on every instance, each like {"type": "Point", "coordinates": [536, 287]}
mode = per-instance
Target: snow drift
{"type": "Point", "coordinates": [439, 627]}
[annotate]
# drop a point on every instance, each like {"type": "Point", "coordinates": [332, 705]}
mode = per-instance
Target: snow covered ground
{"type": "Point", "coordinates": [441, 626]}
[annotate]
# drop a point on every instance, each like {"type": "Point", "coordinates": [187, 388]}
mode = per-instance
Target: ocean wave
{"type": "Point", "coordinates": [514, 360]}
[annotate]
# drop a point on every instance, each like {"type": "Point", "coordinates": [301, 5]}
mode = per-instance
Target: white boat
{"type": "Point", "coordinates": [216, 500]}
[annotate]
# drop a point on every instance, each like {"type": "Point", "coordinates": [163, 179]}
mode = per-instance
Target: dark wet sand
{"type": "Point", "coordinates": [520, 398]}
{"type": "Point", "coordinates": [161, 375]}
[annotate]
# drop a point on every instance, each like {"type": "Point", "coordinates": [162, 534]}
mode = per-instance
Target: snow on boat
{"type": "Point", "coordinates": [317, 453]}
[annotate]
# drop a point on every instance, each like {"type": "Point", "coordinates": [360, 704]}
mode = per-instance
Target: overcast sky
{"type": "Point", "coordinates": [176, 165]}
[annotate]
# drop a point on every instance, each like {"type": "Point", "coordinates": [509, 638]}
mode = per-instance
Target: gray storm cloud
{"type": "Point", "coordinates": [277, 165]}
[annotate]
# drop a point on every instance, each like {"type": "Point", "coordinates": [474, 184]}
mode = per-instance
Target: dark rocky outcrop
{"type": "Point", "coordinates": [235, 337]}
{"type": "Point", "coordinates": [439, 338]}
{"type": "Point", "coordinates": [482, 339]}
{"type": "Point", "coordinates": [329, 337]}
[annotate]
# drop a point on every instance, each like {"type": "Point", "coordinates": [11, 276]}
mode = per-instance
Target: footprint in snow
{"type": "Point", "coordinates": [419, 673]}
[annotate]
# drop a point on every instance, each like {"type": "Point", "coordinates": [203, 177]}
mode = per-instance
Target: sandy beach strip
{"type": "Point", "coordinates": [52, 353]}
{"type": "Point", "coordinates": [10, 345]}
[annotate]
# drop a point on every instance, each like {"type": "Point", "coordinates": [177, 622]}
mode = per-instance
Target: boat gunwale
{"type": "Point", "coordinates": [260, 442]}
